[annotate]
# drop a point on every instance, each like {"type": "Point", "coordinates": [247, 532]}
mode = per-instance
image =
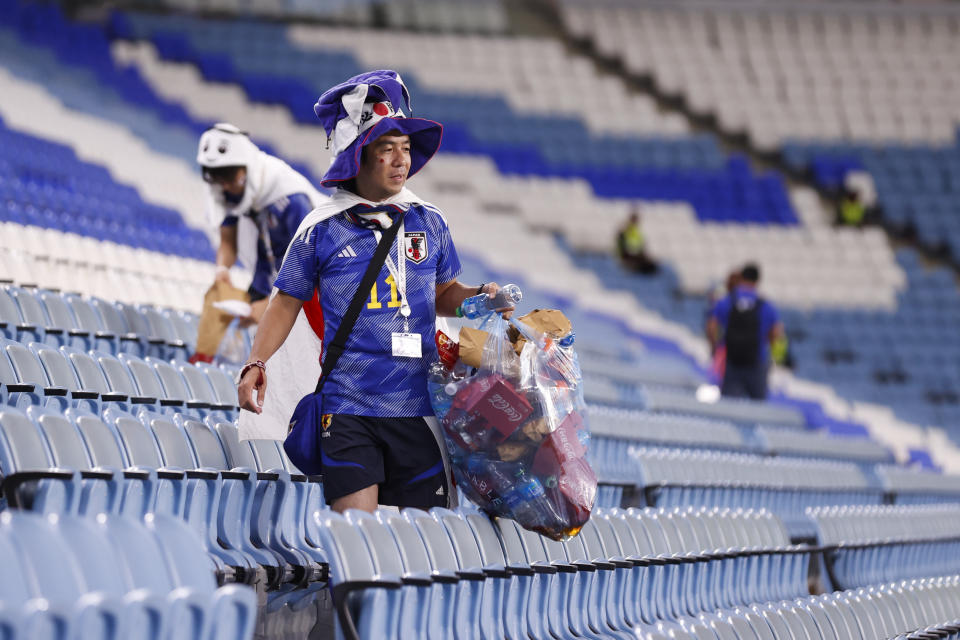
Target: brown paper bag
{"type": "Point", "coordinates": [213, 322]}
{"type": "Point", "coordinates": [549, 321]}
{"type": "Point", "coordinates": [471, 345]}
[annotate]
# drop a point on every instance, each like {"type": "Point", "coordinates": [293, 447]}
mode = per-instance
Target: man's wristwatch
{"type": "Point", "coordinates": [480, 288]}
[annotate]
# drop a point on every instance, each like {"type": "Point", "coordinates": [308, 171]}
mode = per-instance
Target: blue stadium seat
{"type": "Point", "coordinates": [12, 322]}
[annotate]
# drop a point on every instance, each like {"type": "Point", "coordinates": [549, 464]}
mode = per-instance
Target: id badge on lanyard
{"type": "Point", "coordinates": [405, 343]}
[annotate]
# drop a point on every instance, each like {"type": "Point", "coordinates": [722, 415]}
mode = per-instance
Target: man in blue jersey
{"type": "Point", "coordinates": [748, 325]}
{"type": "Point", "coordinates": [376, 445]}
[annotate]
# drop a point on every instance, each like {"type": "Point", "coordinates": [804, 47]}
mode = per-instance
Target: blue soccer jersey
{"type": "Point", "coordinates": [277, 224]}
{"type": "Point", "coordinates": [368, 379]}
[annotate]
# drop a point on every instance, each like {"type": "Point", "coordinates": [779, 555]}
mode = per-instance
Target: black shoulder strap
{"type": "Point", "coordinates": [339, 342]}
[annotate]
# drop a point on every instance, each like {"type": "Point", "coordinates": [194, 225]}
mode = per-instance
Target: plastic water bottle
{"type": "Point", "coordinates": [440, 388]}
{"type": "Point", "coordinates": [480, 305]}
{"type": "Point", "coordinates": [493, 480]}
{"type": "Point", "coordinates": [528, 504]}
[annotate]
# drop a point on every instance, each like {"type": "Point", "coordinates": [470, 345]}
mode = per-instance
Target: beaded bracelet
{"type": "Point", "coordinates": [250, 365]}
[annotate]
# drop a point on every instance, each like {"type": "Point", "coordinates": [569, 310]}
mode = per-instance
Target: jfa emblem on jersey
{"type": "Point", "coordinates": [415, 245]}
{"type": "Point", "coordinates": [325, 421]}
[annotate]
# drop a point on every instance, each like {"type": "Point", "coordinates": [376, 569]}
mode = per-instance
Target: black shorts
{"type": "Point", "coordinates": [399, 455]}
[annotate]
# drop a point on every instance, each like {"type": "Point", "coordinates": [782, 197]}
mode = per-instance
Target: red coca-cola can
{"type": "Point", "coordinates": [560, 446]}
{"type": "Point", "coordinates": [494, 399]}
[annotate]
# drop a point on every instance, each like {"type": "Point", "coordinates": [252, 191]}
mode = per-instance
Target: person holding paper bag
{"type": "Point", "coordinates": [257, 201]}
{"type": "Point", "coordinates": [375, 437]}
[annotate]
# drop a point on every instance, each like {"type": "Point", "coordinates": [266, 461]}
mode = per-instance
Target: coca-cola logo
{"type": "Point", "coordinates": [499, 403]}
{"type": "Point", "coordinates": [565, 444]}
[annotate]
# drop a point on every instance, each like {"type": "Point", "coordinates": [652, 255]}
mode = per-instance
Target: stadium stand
{"type": "Point", "coordinates": [781, 71]}
{"type": "Point", "coordinates": [131, 508]}
{"type": "Point", "coordinates": [832, 91]}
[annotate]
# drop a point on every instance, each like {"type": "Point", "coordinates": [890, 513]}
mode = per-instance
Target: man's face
{"type": "Point", "coordinates": [384, 167]}
{"type": "Point", "coordinates": [232, 180]}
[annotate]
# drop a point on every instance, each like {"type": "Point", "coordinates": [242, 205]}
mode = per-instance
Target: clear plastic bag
{"type": "Point", "coordinates": [234, 346]}
{"type": "Point", "coordinates": [516, 429]}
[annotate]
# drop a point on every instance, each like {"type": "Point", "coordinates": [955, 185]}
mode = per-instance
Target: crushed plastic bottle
{"type": "Point", "coordinates": [441, 389]}
{"type": "Point", "coordinates": [481, 305]}
{"type": "Point", "coordinates": [528, 504]}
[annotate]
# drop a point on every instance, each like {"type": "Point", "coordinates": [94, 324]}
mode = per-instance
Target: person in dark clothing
{"type": "Point", "coordinates": [632, 247]}
{"type": "Point", "coordinates": [747, 326]}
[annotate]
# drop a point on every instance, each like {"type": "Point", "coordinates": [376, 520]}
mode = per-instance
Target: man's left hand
{"type": "Point", "coordinates": [491, 289]}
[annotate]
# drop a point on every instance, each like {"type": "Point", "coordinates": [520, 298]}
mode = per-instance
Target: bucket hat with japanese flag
{"type": "Point", "coordinates": [357, 112]}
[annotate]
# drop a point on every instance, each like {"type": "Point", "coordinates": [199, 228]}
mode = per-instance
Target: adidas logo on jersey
{"type": "Point", "coordinates": [347, 253]}
{"type": "Point", "coordinates": [440, 491]}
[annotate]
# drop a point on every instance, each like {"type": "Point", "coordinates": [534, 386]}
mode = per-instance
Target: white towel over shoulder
{"type": "Point", "coordinates": [292, 372]}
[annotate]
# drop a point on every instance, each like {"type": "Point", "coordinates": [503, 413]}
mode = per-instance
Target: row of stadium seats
{"type": "Point", "coordinates": [44, 184]}
{"type": "Point", "coordinates": [857, 88]}
{"type": "Point", "coordinates": [873, 545]}
{"type": "Point", "coordinates": [917, 186]}
{"type": "Point", "coordinates": [522, 70]}
{"type": "Point", "coordinates": [51, 259]}
{"type": "Point", "coordinates": [783, 72]}
{"type": "Point", "coordinates": [679, 430]}
{"type": "Point", "coordinates": [526, 144]}
{"type": "Point", "coordinates": [113, 577]}
{"type": "Point", "coordinates": [638, 573]}
{"type": "Point", "coordinates": [470, 16]}
{"type": "Point", "coordinates": [72, 320]}
{"type": "Point", "coordinates": [244, 499]}
{"type": "Point", "coordinates": [43, 365]}
{"type": "Point", "coordinates": [634, 475]}
{"type": "Point", "coordinates": [68, 377]}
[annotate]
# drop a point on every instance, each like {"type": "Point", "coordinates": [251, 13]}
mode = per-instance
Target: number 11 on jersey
{"type": "Point", "coordinates": [394, 295]}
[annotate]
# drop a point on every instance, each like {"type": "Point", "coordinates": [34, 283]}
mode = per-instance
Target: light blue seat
{"type": "Point", "coordinates": [442, 591]}
{"type": "Point", "coordinates": [28, 370]}
{"type": "Point", "coordinates": [200, 386]}
{"type": "Point", "coordinates": [160, 326]}
{"type": "Point", "coordinates": [53, 574]}
{"type": "Point", "coordinates": [12, 391]}
{"type": "Point", "coordinates": [120, 380]}
{"type": "Point", "coordinates": [35, 315]}
{"type": "Point", "coordinates": [62, 317]}
{"type": "Point", "coordinates": [223, 385]}
{"type": "Point", "coordinates": [61, 374]}
{"type": "Point", "coordinates": [24, 452]}
{"type": "Point", "coordinates": [232, 608]}
{"type": "Point", "coordinates": [88, 320]}
{"type": "Point", "coordinates": [443, 558]}
{"type": "Point", "coordinates": [128, 341]}
{"type": "Point", "coordinates": [400, 613]}
{"type": "Point", "coordinates": [151, 343]}
{"type": "Point", "coordinates": [874, 545]}
{"type": "Point", "coordinates": [356, 585]}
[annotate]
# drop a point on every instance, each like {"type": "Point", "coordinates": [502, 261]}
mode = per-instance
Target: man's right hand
{"type": "Point", "coordinates": [253, 382]}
